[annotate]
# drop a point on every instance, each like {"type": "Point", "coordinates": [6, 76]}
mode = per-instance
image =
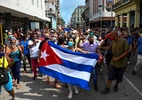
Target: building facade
{"type": "Point", "coordinates": [101, 14]}
{"type": "Point", "coordinates": [128, 13]}
{"type": "Point", "coordinates": [16, 14]}
{"type": "Point", "coordinates": [52, 10]}
{"type": "Point", "coordinates": [87, 13]}
{"type": "Point", "coordinates": [76, 18]}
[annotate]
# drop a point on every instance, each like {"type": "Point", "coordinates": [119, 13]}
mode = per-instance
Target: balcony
{"type": "Point", "coordinates": [120, 3]}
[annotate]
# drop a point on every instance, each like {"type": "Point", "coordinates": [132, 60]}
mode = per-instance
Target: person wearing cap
{"type": "Point", "coordinates": [91, 47]}
{"type": "Point", "coordinates": [120, 50]}
{"type": "Point", "coordinates": [5, 35]}
{"type": "Point", "coordinates": [75, 35]}
{"type": "Point", "coordinates": [91, 33]}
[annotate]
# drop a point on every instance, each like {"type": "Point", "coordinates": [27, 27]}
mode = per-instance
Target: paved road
{"type": "Point", "coordinates": [129, 89]}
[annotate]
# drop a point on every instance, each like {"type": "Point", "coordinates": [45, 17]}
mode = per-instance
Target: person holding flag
{"type": "Point", "coordinates": [71, 44]}
{"type": "Point", "coordinates": [70, 67]}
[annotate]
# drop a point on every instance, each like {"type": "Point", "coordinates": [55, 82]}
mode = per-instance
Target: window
{"type": "Point", "coordinates": [37, 3]}
{"type": "Point", "coordinates": [78, 19]}
{"type": "Point", "coordinates": [32, 2]}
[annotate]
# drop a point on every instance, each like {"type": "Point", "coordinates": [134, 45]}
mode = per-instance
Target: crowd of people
{"type": "Point", "coordinates": [114, 47]}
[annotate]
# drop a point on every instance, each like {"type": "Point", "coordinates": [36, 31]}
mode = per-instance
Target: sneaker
{"type": "Point", "coordinates": [75, 90]}
{"type": "Point", "coordinates": [133, 72]}
{"type": "Point", "coordinates": [106, 90]}
{"type": "Point", "coordinates": [128, 62]}
{"type": "Point", "coordinates": [15, 98]}
{"type": "Point", "coordinates": [70, 95]}
{"type": "Point", "coordinates": [115, 88]}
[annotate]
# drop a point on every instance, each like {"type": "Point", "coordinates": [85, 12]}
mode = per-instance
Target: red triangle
{"type": "Point", "coordinates": [52, 58]}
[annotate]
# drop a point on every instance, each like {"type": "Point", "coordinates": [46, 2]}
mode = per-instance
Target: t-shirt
{"type": "Point", "coordinates": [89, 47]}
{"type": "Point", "coordinates": [34, 49]}
{"type": "Point", "coordinates": [5, 62]}
{"type": "Point", "coordinates": [139, 44]}
{"type": "Point", "coordinates": [25, 44]}
{"type": "Point", "coordinates": [118, 48]}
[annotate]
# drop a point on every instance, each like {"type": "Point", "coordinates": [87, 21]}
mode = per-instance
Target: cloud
{"type": "Point", "coordinates": [68, 6]}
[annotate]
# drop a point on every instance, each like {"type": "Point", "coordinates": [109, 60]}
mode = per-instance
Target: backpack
{"type": "Point", "coordinates": [4, 78]}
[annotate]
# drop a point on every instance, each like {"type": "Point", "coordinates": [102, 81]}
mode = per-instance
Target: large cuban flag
{"type": "Point", "coordinates": [67, 66]}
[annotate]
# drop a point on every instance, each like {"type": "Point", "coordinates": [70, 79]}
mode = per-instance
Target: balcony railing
{"type": "Point", "coordinates": [120, 3]}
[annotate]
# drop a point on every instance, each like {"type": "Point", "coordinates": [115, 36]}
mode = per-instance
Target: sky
{"type": "Point", "coordinates": [67, 7]}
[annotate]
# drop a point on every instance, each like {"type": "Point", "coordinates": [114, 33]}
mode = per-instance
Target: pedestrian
{"type": "Point", "coordinates": [15, 54]}
{"type": "Point", "coordinates": [91, 47]}
{"type": "Point", "coordinates": [118, 63]}
{"type": "Point", "coordinates": [8, 86]}
{"type": "Point", "coordinates": [71, 44]}
{"type": "Point", "coordinates": [33, 47]}
{"type": "Point", "coordinates": [26, 52]}
{"type": "Point", "coordinates": [138, 47]}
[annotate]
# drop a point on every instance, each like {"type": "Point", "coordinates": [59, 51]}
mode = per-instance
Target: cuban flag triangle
{"type": "Point", "coordinates": [67, 66]}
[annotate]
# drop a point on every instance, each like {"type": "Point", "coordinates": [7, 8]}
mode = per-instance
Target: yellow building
{"type": "Point", "coordinates": [128, 13]}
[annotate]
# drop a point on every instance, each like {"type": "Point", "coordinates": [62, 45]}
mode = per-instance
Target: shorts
{"type": "Point", "coordinates": [116, 74]}
{"type": "Point", "coordinates": [7, 86]}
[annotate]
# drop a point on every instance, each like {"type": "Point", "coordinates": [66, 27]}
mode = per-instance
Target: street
{"type": "Point", "coordinates": [129, 89]}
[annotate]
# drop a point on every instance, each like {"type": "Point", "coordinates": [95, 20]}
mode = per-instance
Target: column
{"type": "Point", "coordinates": [121, 21]}
{"type": "Point", "coordinates": [137, 19]}
{"type": "Point", "coordinates": [41, 25]}
{"type": "Point", "coordinates": [116, 20]}
{"type": "Point", "coordinates": [128, 20]}
{"type": "Point", "coordinates": [8, 21]}
{"type": "Point", "coordinates": [26, 25]}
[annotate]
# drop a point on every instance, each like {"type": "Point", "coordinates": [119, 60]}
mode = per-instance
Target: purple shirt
{"type": "Point", "coordinates": [89, 47]}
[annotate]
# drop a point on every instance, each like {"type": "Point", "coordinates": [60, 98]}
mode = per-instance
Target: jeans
{"type": "Point", "coordinates": [94, 73]}
{"type": "Point", "coordinates": [16, 70]}
{"type": "Point", "coordinates": [29, 60]}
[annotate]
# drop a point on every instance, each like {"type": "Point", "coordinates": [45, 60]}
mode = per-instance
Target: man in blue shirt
{"type": "Point", "coordinates": [139, 56]}
{"type": "Point", "coordinates": [24, 44]}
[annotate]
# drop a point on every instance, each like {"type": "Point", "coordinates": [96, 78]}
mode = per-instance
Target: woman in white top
{"type": "Point", "coordinates": [71, 46]}
{"type": "Point", "coordinates": [33, 47]}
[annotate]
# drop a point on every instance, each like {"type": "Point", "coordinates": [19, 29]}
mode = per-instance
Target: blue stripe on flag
{"type": "Point", "coordinates": [64, 78]}
{"type": "Point", "coordinates": [78, 67]}
{"type": "Point", "coordinates": [93, 56]}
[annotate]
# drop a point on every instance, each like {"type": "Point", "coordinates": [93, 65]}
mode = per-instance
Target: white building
{"type": "Point", "coordinates": [23, 12]}
{"type": "Point", "coordinates": [52, 10]}
{"type": "Point", "coordinates": [76, 18]}
{"type": "Point", "coordinates": [99, 16]}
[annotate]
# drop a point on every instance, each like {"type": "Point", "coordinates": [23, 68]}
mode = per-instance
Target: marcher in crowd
{"type": "Point", "coordinates": [118, 63]}
{"type": "Point", "coordinates": [15, 68]}
{"type": "Point", "coordinates": [8, 86]}
{"type": "Point", "coordinates": [138, 47]}
{"type": "Point", "coordinates": [33, 47]}
{"type": "Point", "coordinates": [26, 52]}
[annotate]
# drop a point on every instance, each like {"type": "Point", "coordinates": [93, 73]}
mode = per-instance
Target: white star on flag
{"type": "Point", "coordinates": [44, 55]}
